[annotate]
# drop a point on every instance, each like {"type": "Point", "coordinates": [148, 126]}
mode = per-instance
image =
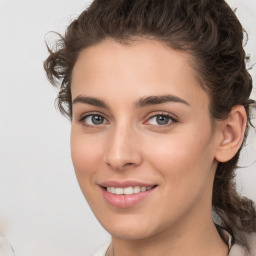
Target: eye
{"type": "Point", "coordinates": [93, 120]}
{"type": "Point", "coordinates": [161, 119]}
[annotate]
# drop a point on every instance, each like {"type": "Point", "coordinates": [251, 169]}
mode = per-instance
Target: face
{"type": "Point", "coordinates": [142, 141]}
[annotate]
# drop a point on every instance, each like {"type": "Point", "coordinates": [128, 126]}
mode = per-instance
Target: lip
{"type": "Point", "coordinates": [125, 201]}
{"type": "Point", "coordinates": [126, 183]}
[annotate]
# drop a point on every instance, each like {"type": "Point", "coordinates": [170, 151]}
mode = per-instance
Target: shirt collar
{"type": "Point", "coordinates": [226, 236]}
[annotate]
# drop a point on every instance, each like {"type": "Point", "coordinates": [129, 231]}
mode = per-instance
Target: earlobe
{"type": "Point", "coordinates": [232, 134]}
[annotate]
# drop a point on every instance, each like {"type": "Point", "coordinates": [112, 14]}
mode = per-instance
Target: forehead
{"type": "Point", "coordinates": [143, 67]}
{"type": "Point", "coordinates": [144, 53]}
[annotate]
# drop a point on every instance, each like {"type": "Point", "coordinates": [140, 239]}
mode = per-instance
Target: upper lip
{"type": "Point", "coordinates": [126, 183]}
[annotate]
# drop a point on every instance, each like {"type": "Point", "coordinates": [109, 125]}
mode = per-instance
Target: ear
{"type": "Point", "coordinates": [231, 134]}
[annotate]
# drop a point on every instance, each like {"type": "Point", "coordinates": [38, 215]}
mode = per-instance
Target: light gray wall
{"type": "Point", "coordinates": [42, 211]}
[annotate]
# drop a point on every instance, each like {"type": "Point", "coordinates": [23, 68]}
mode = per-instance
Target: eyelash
{"type": "Point", "coordinates": [93, 114]}
{"type": "Point", "coordinates": [162, 114]}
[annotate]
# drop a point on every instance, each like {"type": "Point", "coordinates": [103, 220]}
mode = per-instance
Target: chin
{"type": "Point", "coordinates": [131, 228]}
{"type": "Point", "coordinates": [130, 233]}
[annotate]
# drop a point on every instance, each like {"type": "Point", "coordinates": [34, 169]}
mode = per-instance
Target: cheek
{"type": "Point", "coordinates": [185, 164]}
{"type": "Point", "coordinates": [87, 160]}
{"type": "Point", "coordinates": [86, 155]}
{"type": "Point", "coordinates": [184, 159]}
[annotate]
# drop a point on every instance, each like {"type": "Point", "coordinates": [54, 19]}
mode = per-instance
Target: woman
{"type": "Point", "coordinates": [158, 94]}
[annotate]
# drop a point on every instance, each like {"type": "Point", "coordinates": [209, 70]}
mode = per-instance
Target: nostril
{"type": "Point", "coordinates": [128, 164]}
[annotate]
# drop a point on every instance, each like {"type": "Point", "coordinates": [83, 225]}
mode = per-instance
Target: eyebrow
{"type": "Point", "coordinates": [155, 100]}
{"type": "Point", "coordinates": [91, 101]}
{"type": "Point", "coordinates": [142, 102]}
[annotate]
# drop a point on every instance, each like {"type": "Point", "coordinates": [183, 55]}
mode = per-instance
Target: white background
{"type": "Point", "coordinates": [42, 211]}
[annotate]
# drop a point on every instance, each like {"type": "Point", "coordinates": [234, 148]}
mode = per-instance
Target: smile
{"type": "Point", "coordinates": [127, 190]}
{"type": "Point", "coordinates": [126, 196]}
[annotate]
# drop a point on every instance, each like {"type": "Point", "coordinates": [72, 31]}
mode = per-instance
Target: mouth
{"type": "Point", "coordinates": [128, 190]}
{"type": "Point", "coordinates": [127, 196]}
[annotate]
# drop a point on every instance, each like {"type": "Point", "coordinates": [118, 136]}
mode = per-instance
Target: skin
{"type": "Point", "coordinates": [180, 157]}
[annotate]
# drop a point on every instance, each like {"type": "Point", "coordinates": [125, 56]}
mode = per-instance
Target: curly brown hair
{"type": "Point", "coordinates": [210, 32]}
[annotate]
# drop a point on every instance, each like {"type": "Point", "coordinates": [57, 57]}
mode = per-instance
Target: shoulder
{"type": "Point", "coordinates": [238, 250]}
{"type": "Point", "coordinates": [102, 250]}
{"type": "Point", "coordinates": [252, 243]}
{"type": "Point", "coordinates": [234, 242]}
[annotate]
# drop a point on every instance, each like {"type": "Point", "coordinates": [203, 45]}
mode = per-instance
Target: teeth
{"type": "Point", "coordinates": [127, 190]}
{"type": "Point", "coordinates": [136, 189]}
{"type": "Point", "coordinates": [119, 191]}
{"type": "Point", "coordinates": [143, 189]}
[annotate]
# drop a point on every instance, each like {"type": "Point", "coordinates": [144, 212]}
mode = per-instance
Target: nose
{"type": "Point", "coordinates": [123, 149]}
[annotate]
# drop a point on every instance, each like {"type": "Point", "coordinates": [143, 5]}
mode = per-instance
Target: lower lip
{"type": "Point", "coordinates": [125, 201]}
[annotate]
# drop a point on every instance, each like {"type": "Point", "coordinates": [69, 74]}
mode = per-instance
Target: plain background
{"type": "Point", "coordinates": [42, 211]}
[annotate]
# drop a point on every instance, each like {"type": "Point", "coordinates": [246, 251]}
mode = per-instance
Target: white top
{"type": "Point", "coordinates": [234, 250]}
{"type": "Point", "coordinates": [102, 250]}
{"type": "Point", "coordinates": [5, 248]}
